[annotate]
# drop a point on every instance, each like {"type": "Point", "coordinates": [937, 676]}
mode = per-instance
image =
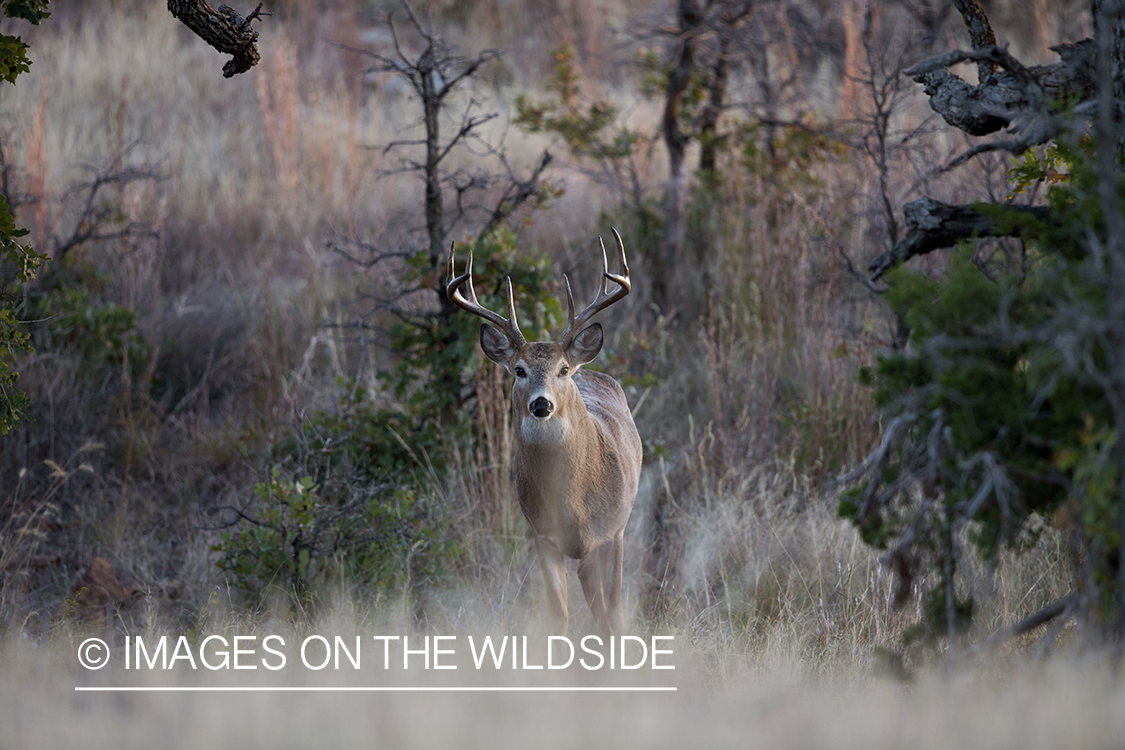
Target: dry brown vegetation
{"type": "Point", "coordinates": [244, 328]}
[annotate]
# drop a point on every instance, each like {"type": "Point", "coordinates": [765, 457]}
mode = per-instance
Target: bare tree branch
{"type": "Point", "coordinates": [99, 220]}
{"type": "Point", "coordinates": [517, 192]}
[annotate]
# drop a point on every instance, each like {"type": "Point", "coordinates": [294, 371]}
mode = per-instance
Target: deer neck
{"type": "Point", "coordinates": [565, 432]}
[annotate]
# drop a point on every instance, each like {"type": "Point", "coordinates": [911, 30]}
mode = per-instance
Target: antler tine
{"type": "Point", "coordinates": [620, 249]}
{"type": "Point", "coordinates": [603, 299]}
{"type": "Point", "coordinates": [569, 301]}
{"type": "Point", "coordinates": [512, 312]}
{"type": "Point", "coordinates": [509, 327]}
{"type": "Point", "coordinates": [605, 267]}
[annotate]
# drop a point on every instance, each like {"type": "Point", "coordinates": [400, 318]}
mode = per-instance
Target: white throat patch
{"type": "Point", "coordinates": [552, 431]}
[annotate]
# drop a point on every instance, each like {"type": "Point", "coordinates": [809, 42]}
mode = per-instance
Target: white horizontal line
{"type": "Point", "coordinates": [384, 689]}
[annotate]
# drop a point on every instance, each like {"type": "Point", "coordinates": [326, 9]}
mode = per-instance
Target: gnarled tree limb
{"type": "Point", "coordinates": [931, 224]}
{"type": "Point", "coordinates": [1025, 98]}
{"type": "Point", "coordinates": [1009, 94]}
{"type": "Point", "coordinates": [224, 30]}
{"type": "Point", "coordinates": [1031, 102]}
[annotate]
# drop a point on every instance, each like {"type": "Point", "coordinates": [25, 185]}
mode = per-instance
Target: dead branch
{"type": "Point", "coordinates": [1032, 621]}
{"type": "Point", "coordinates": [224, 30]}
{"type": "Point", "coordinates": [517, 192]}
{"type": "Point", "coordinates": [437, 63]}
{"type": "Point", "coordinates": [1026, 99]}
{"type": "Point", "coordinates": [932, 225]}
{"type": "Point", "coordinates": [99, 220]}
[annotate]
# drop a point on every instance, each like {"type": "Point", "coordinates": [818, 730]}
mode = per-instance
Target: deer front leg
{"type": "Point", "coordinates": [615, 615]}
{"type": "Point", "coordinates": [554, 575]}
{"type": "Point", "coordinates": [591, 572]}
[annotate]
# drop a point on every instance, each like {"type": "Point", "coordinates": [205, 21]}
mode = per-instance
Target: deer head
{"type": "Point", "coordinates": [543, 370]}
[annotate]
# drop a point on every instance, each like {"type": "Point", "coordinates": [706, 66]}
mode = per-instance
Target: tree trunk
{"type": "Point", "coordinates": [709, 118]}
{"type": "Point", "coordinates": [1041, 11]}
{"type": "Point", "coordinates": [853, 43]}
{"type": "Point", "coordinates": [674, 138]}
{"type": "Point", "coordinates": [448, 375]}
{"type": "Point", "coordinates": [431, 108]}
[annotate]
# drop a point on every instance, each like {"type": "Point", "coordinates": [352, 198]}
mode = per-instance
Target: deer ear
{"type": "Point", "coordinates": [496, 345]}
{"type": "Point", "coordinates": [586, 345]}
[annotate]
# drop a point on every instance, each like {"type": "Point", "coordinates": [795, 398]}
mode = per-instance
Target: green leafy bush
{"type": "Point", "coordinates": [587, 128]}
{"type": "Point", "coordinates": [303, 533]}
{"type": "Point", "coordinates": [103, 333]}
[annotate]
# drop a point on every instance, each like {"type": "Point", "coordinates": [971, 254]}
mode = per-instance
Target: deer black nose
{"type": "Point", "coordinates": [542, 407]}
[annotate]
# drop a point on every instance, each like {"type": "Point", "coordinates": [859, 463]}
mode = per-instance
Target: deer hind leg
{"type": "Point", "coordinates": [554, 574]}
{"type": "Point", "coordinates": [595, 573]}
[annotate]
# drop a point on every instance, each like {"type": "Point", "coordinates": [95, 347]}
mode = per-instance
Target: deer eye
{"type": "Point", "coordinates": [521, 373]}
{"type": "Point", "coordinates": [564, 371]}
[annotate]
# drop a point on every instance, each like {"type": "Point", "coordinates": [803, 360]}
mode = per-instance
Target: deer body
{"type": "Point", "coordinates": [578, 453]}
{"type": "Point", "coordinates": [573, 470]}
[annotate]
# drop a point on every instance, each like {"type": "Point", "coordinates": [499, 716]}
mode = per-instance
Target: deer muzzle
{"type": "Point", "coordinates": [541, 407]}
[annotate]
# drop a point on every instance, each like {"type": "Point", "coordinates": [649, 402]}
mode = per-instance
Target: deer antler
{"type": "Point", "coordinates": [509, 327]}
{"type": "Point", "coordinates": [603, 299]}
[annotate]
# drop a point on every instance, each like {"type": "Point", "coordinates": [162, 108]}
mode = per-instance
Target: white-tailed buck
{"type": "Point", "coordinates": [578, 454]}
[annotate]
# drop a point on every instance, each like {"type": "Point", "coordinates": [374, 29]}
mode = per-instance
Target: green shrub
{"type": "Point", "coordinates": [997, 410]}
{"type": "Point", "coordinates": [103, 334]}
{"type": "Point", "coordinates": [304, 533]}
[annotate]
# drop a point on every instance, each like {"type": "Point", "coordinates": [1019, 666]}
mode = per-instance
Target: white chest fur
{"type": "Point", "coordinates": [551, 431]}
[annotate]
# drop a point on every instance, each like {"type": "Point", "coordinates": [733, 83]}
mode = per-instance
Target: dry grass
{"type": "Point", "coordinates": [759, 700]}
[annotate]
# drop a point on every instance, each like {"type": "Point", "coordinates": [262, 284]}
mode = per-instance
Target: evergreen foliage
{"type": "Point", "coordinates": [996, 412]}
